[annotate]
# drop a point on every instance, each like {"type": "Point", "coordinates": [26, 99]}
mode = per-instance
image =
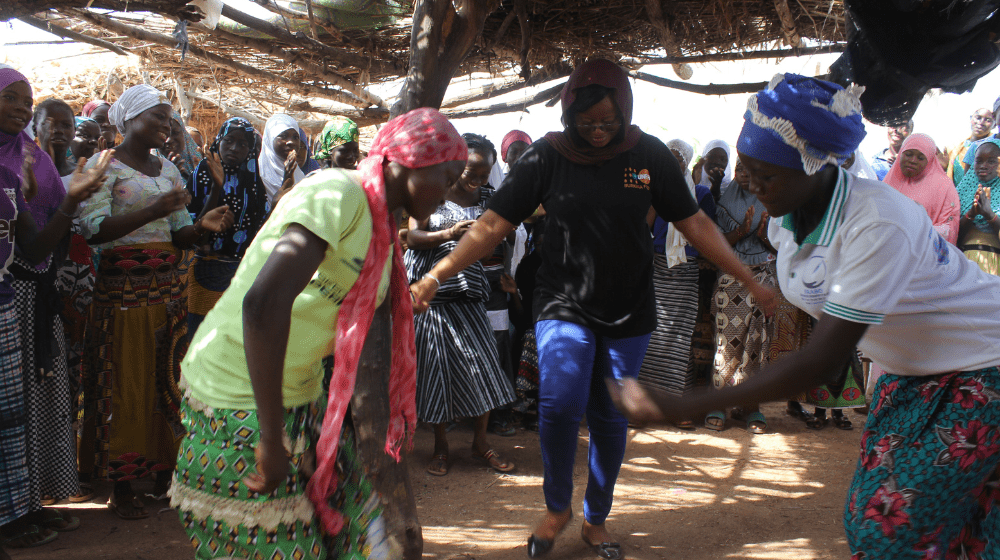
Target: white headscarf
{"type": "Point", "coordinates": [272, 166]}
{"type": "Point", "coordinates": [135, 100]}
{"type": "Point", "coordinates": [861, 167]}
{"type": "Point", "coordinates": [674, 243]}
{"type": "Point", "coordinates": [687, 152]}
{"type": "Point", "coordinates": [728, 177]}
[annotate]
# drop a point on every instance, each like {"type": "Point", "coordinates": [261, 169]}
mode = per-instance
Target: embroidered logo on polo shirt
{"type": "Point", "coordinates": [637, 179]}
{"type": "Point", "coordinates": [940, 248]}
{"type": "Point", "coordinates": [813, 278]}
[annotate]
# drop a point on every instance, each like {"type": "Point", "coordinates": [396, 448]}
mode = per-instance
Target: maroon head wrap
{"type": "Point", "coordinates": [610, 75]}
{"type": "Point", "coordinates": [510, 138]}
{"type": "Point", "coordinates": [89, 108]}
{"type": "Point", "coordinates": [420, 138]}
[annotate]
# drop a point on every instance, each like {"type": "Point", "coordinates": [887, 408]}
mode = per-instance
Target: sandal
{"type": "Point", "coordinates": [687, 425]}
{"type": "Point", "coordinates": [438, 465]}
{"type": "Point", "coordinates": [715, 420]}
{"type": "Point", "coordinates": [494, 460]}
{"type": "Point", "coordinates": [818, 420]}
{"type": "Point", "coordinates": [56, 520]}
{"type": "Point", "coordinates": [85, 494]}
{"type": "Point", "coordinates": [842, 421]}
{"type": "Point", "coordinates": [138, 508]}
{"type": "Point", "coordinates": [48, 501]}
{"type": "Point", "coordinates": [756, 422]}
{"type": "Point", "coordinates": [21, 538]}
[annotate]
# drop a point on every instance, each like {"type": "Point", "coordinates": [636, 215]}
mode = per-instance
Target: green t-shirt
{"type": "Point", "coordinates": [332, 205]}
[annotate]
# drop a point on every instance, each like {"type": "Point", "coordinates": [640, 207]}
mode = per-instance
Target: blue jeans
{"type": "Point", "coordinates": [572, 365]}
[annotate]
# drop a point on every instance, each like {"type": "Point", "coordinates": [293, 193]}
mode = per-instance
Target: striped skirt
{"type": "Point", "coordinates": [458, 368]}
{"type": "Point", "coordinates": [13, 419]}
{"type": "Point", "coordinates": [668, 364]}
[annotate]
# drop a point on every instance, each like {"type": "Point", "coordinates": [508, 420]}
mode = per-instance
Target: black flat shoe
{"type": "Point", "coordinates": [539, 547]}
{"type": "Point", "coordinates": [608, 550]}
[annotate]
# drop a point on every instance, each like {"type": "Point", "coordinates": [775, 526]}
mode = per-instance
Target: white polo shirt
{"type": "Point", "coordinates": [875, 258]}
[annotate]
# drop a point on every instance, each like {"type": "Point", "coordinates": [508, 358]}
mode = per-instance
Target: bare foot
{"type": "Point", "coordinates": [552, 524]}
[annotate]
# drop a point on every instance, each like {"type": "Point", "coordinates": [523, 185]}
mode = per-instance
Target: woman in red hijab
{"type": "Point", "coordinates": [593, 301]}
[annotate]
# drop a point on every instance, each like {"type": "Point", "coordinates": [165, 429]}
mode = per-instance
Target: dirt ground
{"type": "Point", "coordinates": [698, 495]}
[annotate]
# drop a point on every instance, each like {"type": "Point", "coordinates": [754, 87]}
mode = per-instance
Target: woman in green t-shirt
{"type": "Point", "coordinates": [255, 367]}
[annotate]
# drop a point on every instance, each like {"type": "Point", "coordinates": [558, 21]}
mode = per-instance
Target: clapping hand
{"type": "Point", "coordinates": [85, 182]}
{"type": "Point", "coordinates": [171, 201]}
{"type": "Point", "coordinates": [762, 227]}
{"type": "Point", "coordinates": [218, 219]}
{"type": "Point", "coordinates": [214, 163]}
{"type": "Point", "coordinates": [29, 186]}
{"type": "Point", "coordinates": [984, 203]}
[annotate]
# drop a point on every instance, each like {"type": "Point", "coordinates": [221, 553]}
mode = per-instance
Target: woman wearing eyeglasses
{"type": "Point", "coordinates": [593, 299]}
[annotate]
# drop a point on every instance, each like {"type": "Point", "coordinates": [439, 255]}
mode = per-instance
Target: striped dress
{"type": "Point", "coordinates": [458, 367]}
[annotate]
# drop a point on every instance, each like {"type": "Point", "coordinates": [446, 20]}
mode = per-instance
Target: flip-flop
{"type": "Point", "coordinates": [441, 460]}
{"type": "Point", "coordinates": [136, 504]}
{"type": "Point", "coordinates": [716, 415]}
{"type": "Point", "coordinates": [756, 422]}
{"type": "Point", "coordinates": [85, 494]}
{"type": "Point", "coordinates": [59, 521]}
{"type": "Point", "coordinates": [494, 460]}
{"type": "Point", "coordinates": [26, 532]}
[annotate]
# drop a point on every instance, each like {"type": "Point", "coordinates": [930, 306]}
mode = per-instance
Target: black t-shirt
{"type": "Point", "coordinates": [597, 254]}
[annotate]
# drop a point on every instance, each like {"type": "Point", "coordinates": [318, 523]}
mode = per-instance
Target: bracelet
{"type": "Point", "coordinates": [434, 278]}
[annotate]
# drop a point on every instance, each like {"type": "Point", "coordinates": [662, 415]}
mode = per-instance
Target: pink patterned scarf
{"type": "Point", "coordinates": [420, 138]}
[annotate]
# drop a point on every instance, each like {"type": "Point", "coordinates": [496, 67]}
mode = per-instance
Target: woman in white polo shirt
{"type": "Point", "coordinates": [866, 261]}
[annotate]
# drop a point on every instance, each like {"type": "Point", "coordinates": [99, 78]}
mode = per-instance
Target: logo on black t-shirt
{"type": "Point", "coordinates": [636, 179]}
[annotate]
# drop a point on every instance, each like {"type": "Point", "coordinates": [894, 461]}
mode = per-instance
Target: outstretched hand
{"type": "Point", "coordinates": [218, 219]}
{"type": "Point", "coordinates": [85, 182]}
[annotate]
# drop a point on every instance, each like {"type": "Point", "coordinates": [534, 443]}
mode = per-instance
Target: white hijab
{"type": "Point", "coordinates": [134, 101]}
{"type": "Point", "coordinates": [728, 177]}
{"type": "Point", "coordinates": [861, 167]}
{"type": "Point", "coordinates": [687, 152]}
{"type": "Point", "coordinates": [272, 166]}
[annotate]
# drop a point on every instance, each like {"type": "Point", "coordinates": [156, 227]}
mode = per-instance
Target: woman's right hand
{"type": "Point", "coordinates": [271, 469]}
{"type": "Point", "coordinates": [85, 182]}
{"type": "Point", "coordinates": [218, 219]}
{"type": "Point", "coordinates": [170, 202]}
{"type": "Point", "coordinates": [747, 224]}
{"type": "Point", "coordinates": [422, 292]}
{"type": "Point", "coordinates": [291, 164]}
{"type": "Point", "coordinates": [456, 231]}
{"type": "Point", "coordinates": [214, 163]}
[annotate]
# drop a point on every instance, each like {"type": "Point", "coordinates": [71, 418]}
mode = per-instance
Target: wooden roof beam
{"type": "Point", "coordinates": [361, 117]}
{"type": "Point", "coordinates": [270, 48]}
{"type": "Point", "coordinates": [491, 90]}
{"type": "Point", "coordinates": [748, 55]}
{"type": "Point", "coordinates": [540, 97]}
{"type": "Point", "coordinates": [60, 31]}
{"type": "Point", "coordinates": [149, 36]}
{"type": "Point", "coordinates": [300, 40]}
{"type": "Point", "coordinates": [707, 89]}
{"type": "Point", "coordinates": [655, 13]}
{"type": "Point", "coordinates": [792, 36]}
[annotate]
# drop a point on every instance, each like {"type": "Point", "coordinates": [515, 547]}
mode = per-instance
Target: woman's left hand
{"type": "Point", "coordinates": [767, 298]}
{"type": "Point", "coordinates": [984, 199]}
{"type": "Point", "coordinates": [218, 219]}
{"type": "Point", "coordinates": [762, 227]}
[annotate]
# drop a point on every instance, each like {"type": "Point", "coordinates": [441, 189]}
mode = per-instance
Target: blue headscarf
{"type": "Point", "coordinates": [802, 123]}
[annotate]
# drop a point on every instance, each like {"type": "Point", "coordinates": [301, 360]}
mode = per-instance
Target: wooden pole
{"type": "Point", "coordinates": [492, 90]}
{"type": "Point", "coordinates": [540, 97]}
{"type": "Point", "coordinates": [747, 55]}
{"type": "Point", "coordinates": [792, 37]}
{"type": "Point", "coordinates": [655, 13]}
{"type": "Point", "coordinates": [68, 34]}
{"type": "Point", "coordinates": [707, 89]}
{"type": "Point", "coordinates": [143, 35]}
{"type": "Point", "coordinates": [342, 56]}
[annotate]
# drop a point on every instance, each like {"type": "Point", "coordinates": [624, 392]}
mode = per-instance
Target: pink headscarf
{"type": "Point", "coordinates": [88, 109]}
{"type": "Point", "coordinates": [932, 188]}
{"type": "Point", "coordinates": [420, 138]}
{"type": "Point", "coordinates": [510, 138]}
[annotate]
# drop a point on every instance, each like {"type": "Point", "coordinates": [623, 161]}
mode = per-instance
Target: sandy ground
{"type": "Point", "coordinates": [682, 495]}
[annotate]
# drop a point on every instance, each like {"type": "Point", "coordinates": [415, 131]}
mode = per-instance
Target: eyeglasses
{"type": "Point", "coordinates": [603, 127]}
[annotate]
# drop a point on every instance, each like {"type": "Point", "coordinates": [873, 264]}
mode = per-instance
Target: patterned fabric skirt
{"type": "Point", "coordinates": [983, 249]}
{"type": "Point", "coordinates": [527, 370]}
{"type": "Point", "coordinates": [703, 338]}
{"type": "Point", "coordinates": [927, 484]}
{"type": "Point", "coordinates": [208, 277]}
{"type": "Point", "coordinates": [789, 329]}
{"type": "Point", "coordinates": [668, 364]}
{"type": "Point", "coordinates": [75, 282]}
{"type": "Point", "coordinates": [51, 440]}
{"type": "Point", "coordinates": [222, 517]}
{"type": "Point", "coordinates": [458, 368]}
{"type": "Point", "coordinates": [133, 353]}
{"type": "Point", "coordinates": [741, 334]}
{"type": "Point", "coordinates": [13, 419]}
{"type": "Point", "coordinates": [847, 392]}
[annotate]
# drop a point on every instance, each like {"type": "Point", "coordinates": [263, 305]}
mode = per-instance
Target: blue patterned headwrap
{"type": "Point", "coordinates": [802, 123]}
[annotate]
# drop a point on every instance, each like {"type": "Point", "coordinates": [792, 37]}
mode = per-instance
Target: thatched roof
{"type": "Point", "coordinates": [255, 64]}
